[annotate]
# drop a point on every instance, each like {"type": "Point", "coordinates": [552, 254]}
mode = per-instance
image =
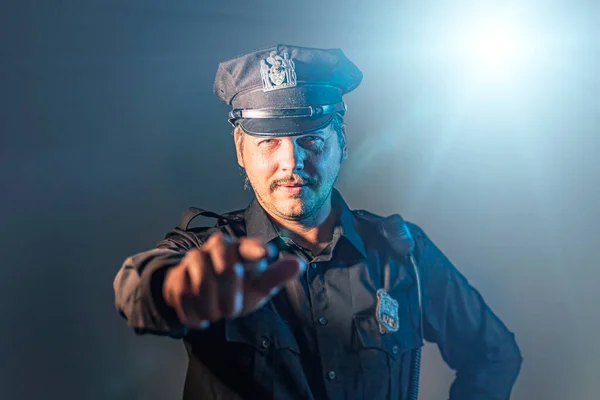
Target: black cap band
{"type": "Point", "coordinates": [295, 112]}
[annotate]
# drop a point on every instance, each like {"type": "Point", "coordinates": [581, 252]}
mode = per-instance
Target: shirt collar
{"type": "Point", "coordinates": [259, 225]}
{"type": "Point", "coordinates": [348, 223]}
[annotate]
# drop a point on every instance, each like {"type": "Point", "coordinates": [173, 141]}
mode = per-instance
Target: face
{"type": "Point", "coordinates": [292, 177]}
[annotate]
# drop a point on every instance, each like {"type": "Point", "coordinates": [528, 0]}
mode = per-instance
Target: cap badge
{"type": "Point", "coordinates": [387, 312]}
{"type": "Point", "coordinates": [277, 71]}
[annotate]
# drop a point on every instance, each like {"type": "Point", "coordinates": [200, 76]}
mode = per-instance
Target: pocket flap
{"type": "Point", "coordinates": [393, 343]}
{"type": "Point", "coordinates": [264, 330]}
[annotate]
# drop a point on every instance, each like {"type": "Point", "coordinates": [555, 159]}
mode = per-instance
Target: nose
{"type": "Point", "coordinates": [291, 156]}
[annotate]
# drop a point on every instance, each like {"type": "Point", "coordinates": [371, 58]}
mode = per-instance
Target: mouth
{"type": "Point", "coordinates": [291, 189]}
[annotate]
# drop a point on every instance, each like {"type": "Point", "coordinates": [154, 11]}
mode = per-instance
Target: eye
{"type": "Point", "coordinates": [266, 142]}
{"type": "Point", "coordinates": [311, 141]}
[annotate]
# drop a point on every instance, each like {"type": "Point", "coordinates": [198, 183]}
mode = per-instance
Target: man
{"type": "Point", "coordinates": [297, 296]}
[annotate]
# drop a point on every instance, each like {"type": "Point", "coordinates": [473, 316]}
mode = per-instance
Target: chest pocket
{"type": "Point", "coordinates": [407, 337]}
{"type": "Point", "coordinates": [265, 347]}
{"type": "Point", "coordinates": [394, 344]}
{"type": "Point", "coordinates": [264, 330]}
{"type": "Point", "coordinates": [389, 353]}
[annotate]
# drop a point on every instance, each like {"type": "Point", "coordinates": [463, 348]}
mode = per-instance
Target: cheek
{"type": "Point", "coordinates": [327, 158]}
{"type": "Point", "coordinates": [259, 166]}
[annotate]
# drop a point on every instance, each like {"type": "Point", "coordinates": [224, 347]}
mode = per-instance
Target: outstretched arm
{"type": "Point", "coordinates": [137, 286]}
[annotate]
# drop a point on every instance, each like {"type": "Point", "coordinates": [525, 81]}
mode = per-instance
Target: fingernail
{"type": "Point", "coordinates": [272, 251]}
{"type": "Point", "coordinates": [238, 269]}
{"type": "Point", "coordinates": [261, 265]}
{"type": "Point", "coordinates": [204, 325]}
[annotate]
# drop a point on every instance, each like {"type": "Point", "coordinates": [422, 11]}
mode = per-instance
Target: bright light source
{"type": "Point", "coordinates": [494, 47]}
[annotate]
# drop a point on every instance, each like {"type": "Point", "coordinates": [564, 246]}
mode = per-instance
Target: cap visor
{"type": "Point", "coordinates": [274, 127]}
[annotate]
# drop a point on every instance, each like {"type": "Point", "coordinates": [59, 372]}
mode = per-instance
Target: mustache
{"type": "Point", "coordinates": [293, 180]}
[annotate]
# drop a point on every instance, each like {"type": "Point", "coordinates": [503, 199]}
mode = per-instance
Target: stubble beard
{"type": "Point", "coordinates": [299, 209]}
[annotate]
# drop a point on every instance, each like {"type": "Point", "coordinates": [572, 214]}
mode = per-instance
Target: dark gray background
{"type": "Point", "coordinates": [110, 129]}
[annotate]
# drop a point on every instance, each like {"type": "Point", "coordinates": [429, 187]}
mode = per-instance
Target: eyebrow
{"type": "Point", "coordinates": [301, 135]}
{"type": "Point", "coordinates": [322, 132]}
{"type": "Point", "coordinates": [318, 132]}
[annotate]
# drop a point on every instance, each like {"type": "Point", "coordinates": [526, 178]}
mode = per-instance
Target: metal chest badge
{"type": "Point", "coordinates": [277, 71]}
{"type": "Point", "coordinates": [387, 312]}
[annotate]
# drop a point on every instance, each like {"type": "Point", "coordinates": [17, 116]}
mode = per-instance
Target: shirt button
{"type": "Point", "coordinates": [313, 265]}
{"type": "Point", "coordinates": [331, 375]}
{"type": "Point", "coordinates": [323, 321]}
{"type": "Point", "coordinates": [266, 343]}
{"type": "Point", "coordinates": [395, 349]}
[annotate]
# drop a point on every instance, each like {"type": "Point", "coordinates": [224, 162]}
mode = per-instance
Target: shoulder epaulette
{"type": "Point", "coordinates": [222, 219]}
{"type": "Point", "coordinates": [367, 215]}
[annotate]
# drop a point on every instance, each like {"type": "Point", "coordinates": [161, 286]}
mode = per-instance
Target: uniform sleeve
{"type": "Point", "coordinates": [138, 286]}
{"type": "Point", "coordinates": [472, 339]}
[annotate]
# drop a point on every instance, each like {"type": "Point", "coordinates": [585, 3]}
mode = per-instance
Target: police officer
{"type": "Point", "coordinates": [297, 296]}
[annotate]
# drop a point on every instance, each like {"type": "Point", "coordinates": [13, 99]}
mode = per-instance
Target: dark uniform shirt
{"type": "Point", "coordinates": [319, 337]}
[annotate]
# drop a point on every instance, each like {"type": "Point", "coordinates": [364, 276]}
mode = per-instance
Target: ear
{"type": "Point", "coordinates": [238, 138]}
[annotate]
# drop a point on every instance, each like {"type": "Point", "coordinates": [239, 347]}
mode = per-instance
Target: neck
{"type": "Point", "coordinates": [313, 232]}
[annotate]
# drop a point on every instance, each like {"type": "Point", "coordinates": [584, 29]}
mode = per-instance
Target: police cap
{"type": "Point", "coordinates": [286, 90]}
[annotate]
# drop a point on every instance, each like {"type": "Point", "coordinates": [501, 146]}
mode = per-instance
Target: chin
{"type": "Point", "coordinates": [293, 206]}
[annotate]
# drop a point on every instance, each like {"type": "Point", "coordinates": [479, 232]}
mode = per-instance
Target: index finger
{"type": "Point", "coordinates": [253, 249]}
{"type": "Point", "coordinates": [277, 274]}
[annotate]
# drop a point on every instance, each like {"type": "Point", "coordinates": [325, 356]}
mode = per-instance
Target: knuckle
{"type": "Point", "coordinates": [219, 246]}
{"type": "Point", "coordinates": [251, 241]}
{"type": "Point", "coordinates": [173, 281]}
{"type": "Point", "coordinates": [212, 239]}
{"type": "Point", "coordinates": [197, 278]}
{"type": "Point", "coordinates": [219, 237]}
{"type": "Point", "coordinates": [255, 246]}
{"type": "Point", "coordinates": [196, 260]}
{"type": "Point", "coordinates": [220, 266]}
{"type": "Point", "coordinates": [194, 250]}
{"type": "Point", "coordinates": [221, 261]}
{"type": "Point", "coordinates": [193, 254]}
